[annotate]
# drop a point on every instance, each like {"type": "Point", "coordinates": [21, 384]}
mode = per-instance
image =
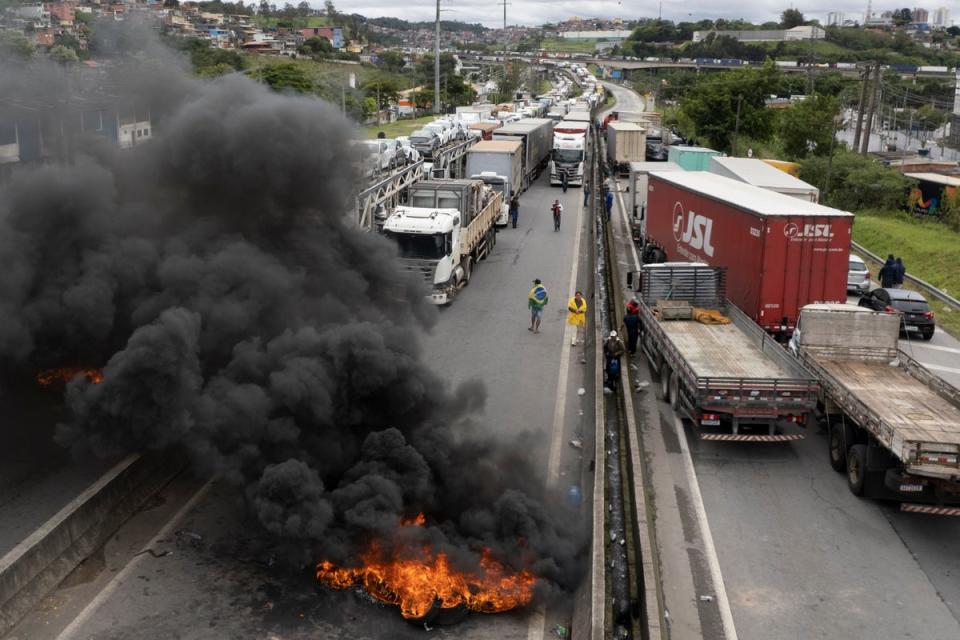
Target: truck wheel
{"type": "Point", "coordinates": [857, 468]}
{"type": "Point", "coordinates": [663, 389]}
{"type": "Point", "coordinates": [674, 390]}
{"type": "Point", "coordinates": [838, 457]}
{"type": "Point", "coordinates": [467, 270]}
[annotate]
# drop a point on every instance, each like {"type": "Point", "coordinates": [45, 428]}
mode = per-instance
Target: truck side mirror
{"type": "Point", "coordinates": [630, 278]}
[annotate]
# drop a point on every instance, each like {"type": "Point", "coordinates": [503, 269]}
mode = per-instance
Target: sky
{"type": "Point", "coordinates": [537, 12]}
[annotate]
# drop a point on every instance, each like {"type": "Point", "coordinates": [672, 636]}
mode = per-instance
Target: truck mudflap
{"type": "Point", "coordinates": [930, 509]}
{"type": "Point", "coordinates": [744, 437]}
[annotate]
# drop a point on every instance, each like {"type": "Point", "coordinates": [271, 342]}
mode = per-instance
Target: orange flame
{"type": "Point", "coordinates": [65, 374]}
{"type": "Point", "coordinates": [415, 581]}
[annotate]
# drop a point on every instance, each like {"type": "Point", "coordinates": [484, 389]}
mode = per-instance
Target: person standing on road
{"type": "Point", "coordinates": [586, 192]}
{"type": "Point", "coordinates": [514, 211]}
{"type": "Point", "coordinates": [901, 271]}
{"type": "Point", "coordinates": [608, 203]}
{"type": "Point", "coordinates": [631, 322]}
{"type": "Point", "coordinates": [557, 210]}
{"type": "Point", "coordinates": [888, 273]}
{"type": "Point", "coordinates": [564, 181]}
{"type": "Point", "coordinates": [613, 350]}
{"type": "Point", "coordinates": [536, 301]}
{"type": "Point", "coordinates": [577, 315]}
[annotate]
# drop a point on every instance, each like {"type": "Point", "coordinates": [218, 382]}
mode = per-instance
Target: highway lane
{"type": "Point", "coordinates": [801, 557]}
{"type": "Point", "coordinates": [224, 584]}
{"type": "Point", "coordinates": [627, 100]}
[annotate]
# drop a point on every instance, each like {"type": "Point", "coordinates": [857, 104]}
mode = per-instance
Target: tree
{"type": "Point", "coordinates": [285, 76]}
{"type": "Point", "coordinates": [791, 18]}
{"type": "Point", "coordinates": [711, 104]}
{"type": "Point", "coordinates": [954, 31]}
{"type": "Point", "coordinates": [63, 55]}
{"type": "Point", "coordinates": [856, 182]}
{"type": "Point", "coordinates": [316, 46]}
{"type": "Point", "coordinates": [805, 127]}
{"type": "Point", "coordinates": [391, 60]}
{"type": "Point", "coordinates": [171, 4]}
{"type": "Point", "coordinates": [387, 87]}
{"type": "Point", "coordinates": [303, 9]}
{"type": "Point", "coordinates": [15, 44]}
{"type": "Point", "coordinates": [902, 17]}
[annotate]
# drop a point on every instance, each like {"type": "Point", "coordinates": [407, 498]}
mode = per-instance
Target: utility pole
{"type": "Point", "coordinates": [833, 139]}
{"type": "Point", "coordinates": [436, 65]}
{"type": "Point", "coordinates": [736, 128]}
{"type": "Point", "coordinates": [860, 107]}
{"type": "Point", "coordinates": [813, 60]}
{"type": "Point", "coordinates": [865, 142]}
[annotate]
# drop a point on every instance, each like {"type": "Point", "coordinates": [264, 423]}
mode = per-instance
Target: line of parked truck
{"type": "Point", "coordinates": [744, 317]}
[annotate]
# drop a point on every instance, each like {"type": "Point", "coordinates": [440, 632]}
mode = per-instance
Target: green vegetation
{"type": "Point", "coordinates": [856, 182]}
{"type": "Point", "coordinates": [399, 128]}
{"type": "Point", "coordinates": [562, 45]}
{"type": "Point", "coordinates": [930, 250]}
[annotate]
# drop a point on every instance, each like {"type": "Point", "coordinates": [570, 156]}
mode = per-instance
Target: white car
{"type": "Point", "coordinates": [407, 149]}
{"type": "Point", "coordinates": [442, 128]}
{"type": "Point", "coordinates": [382, 154]}
{"type": "Point", "coordinates": [858, 276]}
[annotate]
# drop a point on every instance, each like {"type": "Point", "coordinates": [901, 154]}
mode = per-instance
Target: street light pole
{"type": "Point", "coordinates": [436, 65]}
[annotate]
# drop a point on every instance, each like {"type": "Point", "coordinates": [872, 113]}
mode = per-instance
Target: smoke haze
{"type": "Point", "coordinates": [216, 277]}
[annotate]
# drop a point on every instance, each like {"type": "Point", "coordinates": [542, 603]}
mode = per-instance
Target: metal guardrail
{"type": "Point", "coordinates": [385, 193]}
{"type": "Point", "coordinates": [942, 296]}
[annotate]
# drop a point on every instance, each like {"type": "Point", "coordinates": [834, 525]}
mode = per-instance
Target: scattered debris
{"type": "Point", "coordinates": [613, 536]}
{"type": "Point", "coordinates": [193, 535]}
{"type": "Point", "coordinates": [154, 553]}
{"type": "Point", "coordinates": [643, 384]}
{"type": "Point", "coordinates": [706, 598]}
{"type": "Point", "coordinates": [607, 391]}
{"type": "Point", "coordinates": [576, 444]}
{"type": "Point", "coordinates": [581, 391]}
{"type": "Point", "coordinates": [427, 627]}
{"type": "Point", "coordinates": [623, 541]}
{"type": "Point", "coordinates": [560, 631]}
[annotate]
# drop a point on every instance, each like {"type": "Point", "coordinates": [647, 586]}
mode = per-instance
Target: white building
{"type": "Point", "coordinates": [941, 17]}
{"type": "Point", "coordinates": [835, 19]}
{"type": "Point", "coordinates": [614, 35]}
{"type": "Point", "coordinates": [803, 32]}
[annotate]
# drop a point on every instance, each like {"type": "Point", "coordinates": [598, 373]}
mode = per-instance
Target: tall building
{"type": "Point", "coordinates": [920, 15]}
{"type": "Point", "coordinates": [941, 17]}
{"type": "Point", "coordinates": [835, 19]}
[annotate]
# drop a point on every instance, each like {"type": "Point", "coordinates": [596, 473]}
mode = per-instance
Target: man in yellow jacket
{"type": "Point", "coordinates": [577, 315]}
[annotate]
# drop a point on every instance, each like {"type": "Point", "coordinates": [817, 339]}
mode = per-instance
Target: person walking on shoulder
{"type": "Point", "coordinates": [888, 273]}
{"type": "Point", "coordinates": [514, 211]}
{"type": "Point", "coordinates": [613, 350]}
{"type": "Point", "coordinates": [900, 272]}
{"type": "Point", "coordinates": [536, 301]}
{"type": "Point", "coordinates": [557, 209]}
{"type": "Point", "coordinates": [577, 315]}
{"type": "Point", "coordinates": [608, 203]}
{"type": "Point", "coordinates": [631, 322]}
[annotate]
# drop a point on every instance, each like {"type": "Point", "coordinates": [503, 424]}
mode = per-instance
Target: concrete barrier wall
{"type": "Point", "coordinates": [29, 571]}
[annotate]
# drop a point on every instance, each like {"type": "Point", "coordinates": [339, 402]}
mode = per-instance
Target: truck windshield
{"type": "Point", "coordinates": [568, 155]}
{"type": "Point", "coordinates": [420, 245]}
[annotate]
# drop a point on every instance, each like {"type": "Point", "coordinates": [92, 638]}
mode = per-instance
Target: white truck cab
{"type": "Point", "coordinates": [428, 242]}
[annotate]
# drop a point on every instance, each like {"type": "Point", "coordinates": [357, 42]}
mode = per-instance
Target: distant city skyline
{"type": "Point", "coordinates": [537, 12]}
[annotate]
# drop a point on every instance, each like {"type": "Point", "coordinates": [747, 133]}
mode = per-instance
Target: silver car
{"type": "Point", "coordinates": [858, 276]}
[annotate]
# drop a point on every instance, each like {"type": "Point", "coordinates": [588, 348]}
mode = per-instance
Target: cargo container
{"type": "Point", "coordinates": [486, 129]}
{"type": "Point", "coordinates": [691, 158]}
{"type": "Point", "coordinates": [626, 143]}
{"type": "Point", "coordinates": [760, 174]}
{"type": "Point", "coordinates": [499, 163]}
{"type": "Point", "coordinates": [781, 253]}
{"type": "Point", "coordinates": [536, 134]}
{"type": "Point", "coordinates": [637, 188]}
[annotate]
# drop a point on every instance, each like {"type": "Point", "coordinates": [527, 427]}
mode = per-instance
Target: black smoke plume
{"type": "Point", "coordinates": [216, 276]}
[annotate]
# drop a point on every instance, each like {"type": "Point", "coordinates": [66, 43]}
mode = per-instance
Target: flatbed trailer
{"type": "Point", "coordinates": [893, 426]}
{"type": "Point", "coordinates": [732, 380]}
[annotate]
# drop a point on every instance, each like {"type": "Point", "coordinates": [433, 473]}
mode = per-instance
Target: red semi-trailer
{"type": "Point", "coordinates": [781, 253]}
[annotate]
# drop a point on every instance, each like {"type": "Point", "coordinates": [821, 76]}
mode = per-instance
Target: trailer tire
{"type": "Point", "coordinates": [674, 391]}
{"type": "Point", "coordinates": [838, 455]}
{"type": "Point", "coordinates": [663, 389]}
{"type": "Point", "coordinates": [857, 468]}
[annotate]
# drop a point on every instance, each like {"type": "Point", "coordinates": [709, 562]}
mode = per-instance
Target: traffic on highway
{"type": "Point", "coordinates": [538, 369]}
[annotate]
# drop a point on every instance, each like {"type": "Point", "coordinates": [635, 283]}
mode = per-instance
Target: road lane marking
{"type": "Point", "coordinates": [122, 575]}
{"type": "Point", "coordinates": [713, 561]}
{"type": "Point", "coordinates": [716, 576]}
{"type": "Point", "coordinates": [935, 347]}
{"type": "Point", "coordinates": [937, 367]}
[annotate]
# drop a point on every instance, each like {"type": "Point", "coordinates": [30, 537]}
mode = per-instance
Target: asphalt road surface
{"type": "Point", "coordinates": [220, 580]}
{"type": "Point", "coordinates": [801, 557]}
{"type": "Point", "coordinates": [627, 100]}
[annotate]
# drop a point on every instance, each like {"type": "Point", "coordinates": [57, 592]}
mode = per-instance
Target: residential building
{"type": "Point", "coordinates": [835, 19]}
{"type": "Point", "coordinates": [615, 35]}
{"type": "Point", "coordinates": [920, 15]}
{"type": "Point", "coordinates": [941, 17]}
